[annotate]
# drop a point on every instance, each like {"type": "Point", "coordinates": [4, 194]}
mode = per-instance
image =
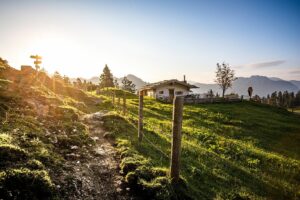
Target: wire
{"type": "Point", "coordinates": [157, 148]}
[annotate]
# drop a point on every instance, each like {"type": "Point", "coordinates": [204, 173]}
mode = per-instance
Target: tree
{"type": "Point", "coordinates": [3, 64]}
{"type": "Point", "coordinates": [250, 91]}
{"type": "Point", "coordinates": [286, 99]}
{"type": "Point", "coordinates": [128, 85]}
{"type": "Point", "coordinates": [210, 93]}
{"type": "Point", "coordinates": [280, 99]}
{"type": "Point", "coordinates": [57, 76]}
{"type": "Point", "coordinates": [257, 98]}
{"type": "Point", "coordinates": [66, 80]}
{"type": "Point", "coordinates": [224, 77]}
{"type": "Point", "coordinates": [268, 99]}
{"type": "Point", "coordinates": [79, 83]}
{"type": "Point", "coordinates": [291, 101]}
{"type": "Point", "coordinates": [273, 100]}
{"type": "Point", "coordinates": [116, 83]}
{"type": "Point", "coordinates": [106, 78]}
{"type": "Point", "coordinates": [297, 99]}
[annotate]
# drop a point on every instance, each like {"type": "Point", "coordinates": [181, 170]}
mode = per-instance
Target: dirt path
{"type": "Point", "coordinates": [98, 176]}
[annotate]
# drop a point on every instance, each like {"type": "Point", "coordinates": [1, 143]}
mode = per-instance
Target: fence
{"type": "Point", "coordinates": [193, 100]}
{"type": "Point", "coordinates": [176, 130]}
{"type": "Point", "coordinates": [172, 130]}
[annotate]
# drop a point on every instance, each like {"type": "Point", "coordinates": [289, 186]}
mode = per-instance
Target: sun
{"type": "Point", "coordinates": [58, 53]}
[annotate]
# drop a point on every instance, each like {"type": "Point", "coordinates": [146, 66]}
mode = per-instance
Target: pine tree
{"type": "Point", "coordinates": [268, 99]}
{"type": "Point", "coordinates": [291, 101]}
{"type": "Point", "coordinates": [297, 99]}
{"type": "Point", "coordinates": [210, 93]}
{"type": "Point", "coordinates": [280, 99]}
{"type": "Point", "coordinates": [79, 83]}
{"type": "Point", "coordinates": [66, 80]}
{"type": "Point", "coordinates": [116, 83]}
{"type": "Point", "coordinates": [285, 99]}
{"type": "Point", "coordinates": [128, 85]}
{"type": "Point", "coordinates": [106, 78]}
{"type": "Point", "coordinates": [273, 100]}
{"type": "Point", "coordinates": [57, 76]}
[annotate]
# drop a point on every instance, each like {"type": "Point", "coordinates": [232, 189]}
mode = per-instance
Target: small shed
{"type": "Point", "coordinates": [167, 89]}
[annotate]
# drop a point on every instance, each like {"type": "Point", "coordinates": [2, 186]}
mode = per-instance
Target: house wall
{"type": "Point", "coordinates": [165, 90]}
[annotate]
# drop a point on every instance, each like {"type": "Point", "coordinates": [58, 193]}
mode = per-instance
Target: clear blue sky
{"type": "Point", "coordinates": [154, 39]}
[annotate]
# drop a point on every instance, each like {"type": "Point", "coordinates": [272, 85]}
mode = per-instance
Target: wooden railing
{"type": "Point", "coordinates": [192, 100]}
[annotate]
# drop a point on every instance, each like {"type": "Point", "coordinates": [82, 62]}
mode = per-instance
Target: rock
{"type": "Point", "coordinates": [119, 190]}
{"type": "Point", "coordinates": [99, 151]}
{"type": "Point", "coordinates": [73, 156]}
{"type": "Point", "coordinates": [108, 135]}
{"type": "Point", "coordinates": [74, 147]}
{"type": "Point", "coordinates": [95, 138]}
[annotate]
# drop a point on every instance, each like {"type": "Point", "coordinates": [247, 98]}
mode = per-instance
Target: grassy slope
{"type": "Point", "coordinates": [240, 150]}
{"type": "Point", "coordinates": [38, 126]}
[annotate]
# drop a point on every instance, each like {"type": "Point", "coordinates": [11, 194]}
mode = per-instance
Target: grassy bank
{"type": "Point", "coordinates": [229, 151]}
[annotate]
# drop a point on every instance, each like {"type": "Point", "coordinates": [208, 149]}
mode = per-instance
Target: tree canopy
{"type": "Point", "coordinates": [224, 77]}
{"type": "Point", "coordinates": [128, 85]}
{"type": "Point", "coordinates": [106, 78]}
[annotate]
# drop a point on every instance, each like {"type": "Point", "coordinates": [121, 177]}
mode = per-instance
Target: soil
{"type": "Point", "coordinates": [97, 176]}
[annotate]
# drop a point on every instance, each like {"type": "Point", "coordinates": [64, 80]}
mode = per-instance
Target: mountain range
{"type": "Point", "coordinates": [262, 85]}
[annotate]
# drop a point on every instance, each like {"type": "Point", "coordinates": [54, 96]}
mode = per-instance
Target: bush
{"type": "Point", "coordinates": [25, 184]}
{"type": "Point", "coordinates": [130, 164]}
{"type": "Point", "coordinates": [10, 154]}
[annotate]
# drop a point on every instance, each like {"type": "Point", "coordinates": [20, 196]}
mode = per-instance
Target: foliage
{"type": "Point", "coordinates": [224, 77]}
{"type": "Point", "coordinates": [140, 173]}
{"type": "Point", "coordinates": [25, 184]}
{"type": "Point", "coordinates": [250, 91]}
{"type": "Point", "coordinates": [229, 151]}
{"type": "Point", "coordinates": [106, 78]}
{"type": "Point", "coordinates": [127, 85]}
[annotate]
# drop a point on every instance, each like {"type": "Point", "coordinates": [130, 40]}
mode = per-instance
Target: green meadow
{"type": "Point", "coordinates": [239, 150]}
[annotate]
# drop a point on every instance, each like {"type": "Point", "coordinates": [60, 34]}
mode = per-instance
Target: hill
{"type": "Point", "coordinates": [135, 80]}
{"type": "Point", "coordinates": [229, 151]}
{"type": "Point", "coordinates": [262, 86]}
{"type": "Point", "coordinates": [138, 82]}
{"type": "Point", "coordinates": [46, 149]}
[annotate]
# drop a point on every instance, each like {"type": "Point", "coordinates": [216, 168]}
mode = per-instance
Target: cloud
{"type": "Point", "coordinates": [297, 71]}
{"type": "Point", "coordinates": [264, 64]}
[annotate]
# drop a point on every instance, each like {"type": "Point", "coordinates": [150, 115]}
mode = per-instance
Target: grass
{"type": "Point", "coordinates": [229, 151]}
{"type": "Point", "coordinates": [37, 129]}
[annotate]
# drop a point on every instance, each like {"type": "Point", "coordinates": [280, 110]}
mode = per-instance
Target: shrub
{"type": "Point", "coordinates": [10, 154]}
{"type": "Point", "coordinates": [25, 184]}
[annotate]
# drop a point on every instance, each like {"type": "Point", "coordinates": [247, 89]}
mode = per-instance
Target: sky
{"type": "Point", "coordinates": [154, 40]}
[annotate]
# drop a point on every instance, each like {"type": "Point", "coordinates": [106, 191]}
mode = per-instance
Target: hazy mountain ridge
{"type": "Point", "coordinates": [135, 80]}
{"type": "Point", "coordinates": [261, 85]}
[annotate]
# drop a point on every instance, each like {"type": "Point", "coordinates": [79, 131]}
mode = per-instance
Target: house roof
{"type": "Point", "coordinates": [168, 82]}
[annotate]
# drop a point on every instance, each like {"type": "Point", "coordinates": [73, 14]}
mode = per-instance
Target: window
{"type": "Point", "coordinates": [161, 92]}
{"type": "Point", "coordinates": [179, 92]}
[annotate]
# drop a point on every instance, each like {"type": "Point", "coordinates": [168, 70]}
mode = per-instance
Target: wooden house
{"type": "Point", "coordinates": [167, 89]}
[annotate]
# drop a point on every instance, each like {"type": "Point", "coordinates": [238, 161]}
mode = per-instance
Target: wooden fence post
{"type": "Point", "coordinates": [176, 140]}
{"type": "Point", "coordinates": [113, 97]}
{"type": "Point", "coordinates": [140, 125]}
{"type": "Point", "coordinates": [124, 104]}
